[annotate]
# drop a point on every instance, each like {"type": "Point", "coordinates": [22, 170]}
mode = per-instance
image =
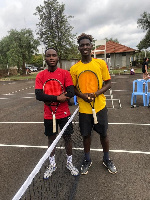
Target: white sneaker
{"type": "Point", "coordinates": [74, 171]}
{"type": "Point", "coordinates": [49, 171]}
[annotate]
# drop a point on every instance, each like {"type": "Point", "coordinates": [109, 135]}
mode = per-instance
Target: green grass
{"type": "Point", "coordinates": [32, 76]}
{"type": "Point", "coordinates": [123, 71]}
{"type": "Point", "coordinates": [19, 77]}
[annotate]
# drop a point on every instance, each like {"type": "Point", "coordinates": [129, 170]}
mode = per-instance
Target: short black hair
{"type": "Point", "coordinates": [84, 36]}
{"type": "Point", "coordinates": [50, 48]}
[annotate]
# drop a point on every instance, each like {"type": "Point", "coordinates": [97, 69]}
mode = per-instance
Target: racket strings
{"type": "Point", "coordinates": [53, 88]}
{"type": "Point", "coordinates": [88, 82]}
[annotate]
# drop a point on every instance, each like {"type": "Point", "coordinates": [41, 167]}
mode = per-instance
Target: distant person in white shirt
{"type": "Point", "coordinates": [132, 72]}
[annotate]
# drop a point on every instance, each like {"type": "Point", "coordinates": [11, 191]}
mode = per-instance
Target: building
{"type": "Point", "coordinates": [117, 55]}
{"type": "Point", "coordinates": [66, 64]}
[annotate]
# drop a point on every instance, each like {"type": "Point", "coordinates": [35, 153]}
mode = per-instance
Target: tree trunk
{"type": "Point", "coordinates": [23, 68]}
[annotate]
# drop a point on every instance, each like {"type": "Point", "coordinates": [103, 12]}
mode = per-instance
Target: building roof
{"type": "Point", "coordinates": [113, 47]}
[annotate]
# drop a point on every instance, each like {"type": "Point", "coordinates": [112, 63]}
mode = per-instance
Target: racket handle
{"type": "Point", "coordinates": [54, 123]}
{"type": "Point", "coordinates": [94, 116]}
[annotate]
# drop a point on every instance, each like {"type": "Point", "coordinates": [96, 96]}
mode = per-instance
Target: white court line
{"type": "Point", "coordinates": [99, 150]}
{"type": "Point", "coordinates": [28, 97]}
{"type": "Point", "coordinates": [11, 83]}
{"type": "Point", "coordinates": [120, 90]}
{"type": "Point", "coordinates": [129, 124]}
{"type": "Point", "coordinates": [21, 122]}
{"type": "Point", "coordinates": [8, 94]}
{"type": "Point", "coordinates": [23, 146]}
{"type": "Point", "coordinates": [3, 98]}
{"type": "Point", "coordinates": [20, 90]}
{"type": "Point", "coordinates": [112, 99]}
{"type": "Point", "coordinates": [136, 124]}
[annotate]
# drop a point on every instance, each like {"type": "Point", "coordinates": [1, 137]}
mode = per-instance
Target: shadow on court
{"type": "Point", "coordinates": [128, 132]}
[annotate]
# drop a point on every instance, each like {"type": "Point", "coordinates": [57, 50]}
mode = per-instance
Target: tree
{"type": "Point", "coordinates": [144, 23]}
{"type": "Point", "coordinates": [37, 60]}
{"type": "Point", "coordinates": [17, 48]}
{"type": "Point", "coordinates": [4, 48]}
{"type": "Point", "coordinates": [111, 39]}
{"type": "Point", "coordinates": [54, 29]}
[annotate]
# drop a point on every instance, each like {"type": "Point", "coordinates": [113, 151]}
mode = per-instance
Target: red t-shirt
{"type": "Point", "coordinates": [65, 78]}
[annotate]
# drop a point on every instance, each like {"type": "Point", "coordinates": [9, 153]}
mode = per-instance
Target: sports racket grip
{"type": "Point", "coordinates": [54, 123]}
{"type": "Point", "coordinates": [94, 116]}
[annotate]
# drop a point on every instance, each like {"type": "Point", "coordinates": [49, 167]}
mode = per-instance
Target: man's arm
{"type": "Point", "coordinates": [51, 98]}
{"type": "Point", "coordinates": [81, 95]}
{"type": "Point", "coordinates": [70, 91]}
{"type": "Point", "coordinates": [106, 86]}
{"type": "Point", "coordinates": [44, 97]}
{"type": "Point", "coordinates": [146, 68]}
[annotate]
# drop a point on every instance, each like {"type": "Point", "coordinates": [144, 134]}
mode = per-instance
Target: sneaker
{"type": "Point", "coordinates": [85, 166]}
{"type": "Point", "coordinates": [49, 171]}
{"type": "Point", "coordinates": [74, 171]}
{"type": "Point", "coordinates": [110, 166]}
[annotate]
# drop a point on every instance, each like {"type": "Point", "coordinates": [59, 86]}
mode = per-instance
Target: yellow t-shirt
{"type": "Point", "coordinates": [100, 68]}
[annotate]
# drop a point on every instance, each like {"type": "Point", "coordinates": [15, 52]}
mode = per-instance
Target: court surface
{"type": "Point", "coordinates": [22, 143]}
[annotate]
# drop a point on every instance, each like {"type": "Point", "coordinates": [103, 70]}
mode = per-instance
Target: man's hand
{"type": "Point", "coordinates": [62, 97]}
{"type": "Point", "coordinates": [47, 103]}
{"type": "Point", "coordinates": [88, 97]}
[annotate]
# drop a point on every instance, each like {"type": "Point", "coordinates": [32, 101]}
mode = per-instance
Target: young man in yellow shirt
{"type": "Point", "coordinates": [86, 121]}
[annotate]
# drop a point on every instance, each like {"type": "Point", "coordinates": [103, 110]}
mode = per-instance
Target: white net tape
{"type": "Point", "coordinates": [28, 181]}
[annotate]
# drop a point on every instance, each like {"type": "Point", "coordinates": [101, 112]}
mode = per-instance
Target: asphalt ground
{"type": "Point", "coordinates": [21, 123]}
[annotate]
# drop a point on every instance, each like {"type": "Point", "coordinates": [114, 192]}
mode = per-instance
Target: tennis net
{"type": "Point", "coordinates": [61, 185]}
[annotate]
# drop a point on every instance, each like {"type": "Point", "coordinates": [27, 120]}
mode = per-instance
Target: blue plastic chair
{"type": "Point", "coordinates": [148, 91]}
{"type": "Point", "coordinates": [139, 88]}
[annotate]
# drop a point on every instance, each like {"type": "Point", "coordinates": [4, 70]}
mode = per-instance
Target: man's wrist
{"type": "Point", "coordinates": [95, 95]}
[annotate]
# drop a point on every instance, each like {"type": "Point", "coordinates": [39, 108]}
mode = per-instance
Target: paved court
{"type": "Point", "coordinates": [21, 123]}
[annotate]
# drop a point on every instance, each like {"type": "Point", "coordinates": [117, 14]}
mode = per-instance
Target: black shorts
{"type": "Point", "coordinates": [48, 123]}
{"type": "Point", "coordinates": [86, 123]}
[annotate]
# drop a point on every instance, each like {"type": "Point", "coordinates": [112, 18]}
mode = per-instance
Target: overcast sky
{"type": "Point", "coordinates": [100, 18]}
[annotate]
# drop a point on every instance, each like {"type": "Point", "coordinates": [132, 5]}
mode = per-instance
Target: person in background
{"type": "Point", "coordinates": [145, 68]}
{"type": "Point", "coordinates": [63, 112]}
{"type": "Point", "coordinates": [132, 72]}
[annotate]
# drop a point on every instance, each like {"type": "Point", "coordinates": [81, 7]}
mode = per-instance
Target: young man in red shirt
{"type": "Point", "coordinates": [63, 112]}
